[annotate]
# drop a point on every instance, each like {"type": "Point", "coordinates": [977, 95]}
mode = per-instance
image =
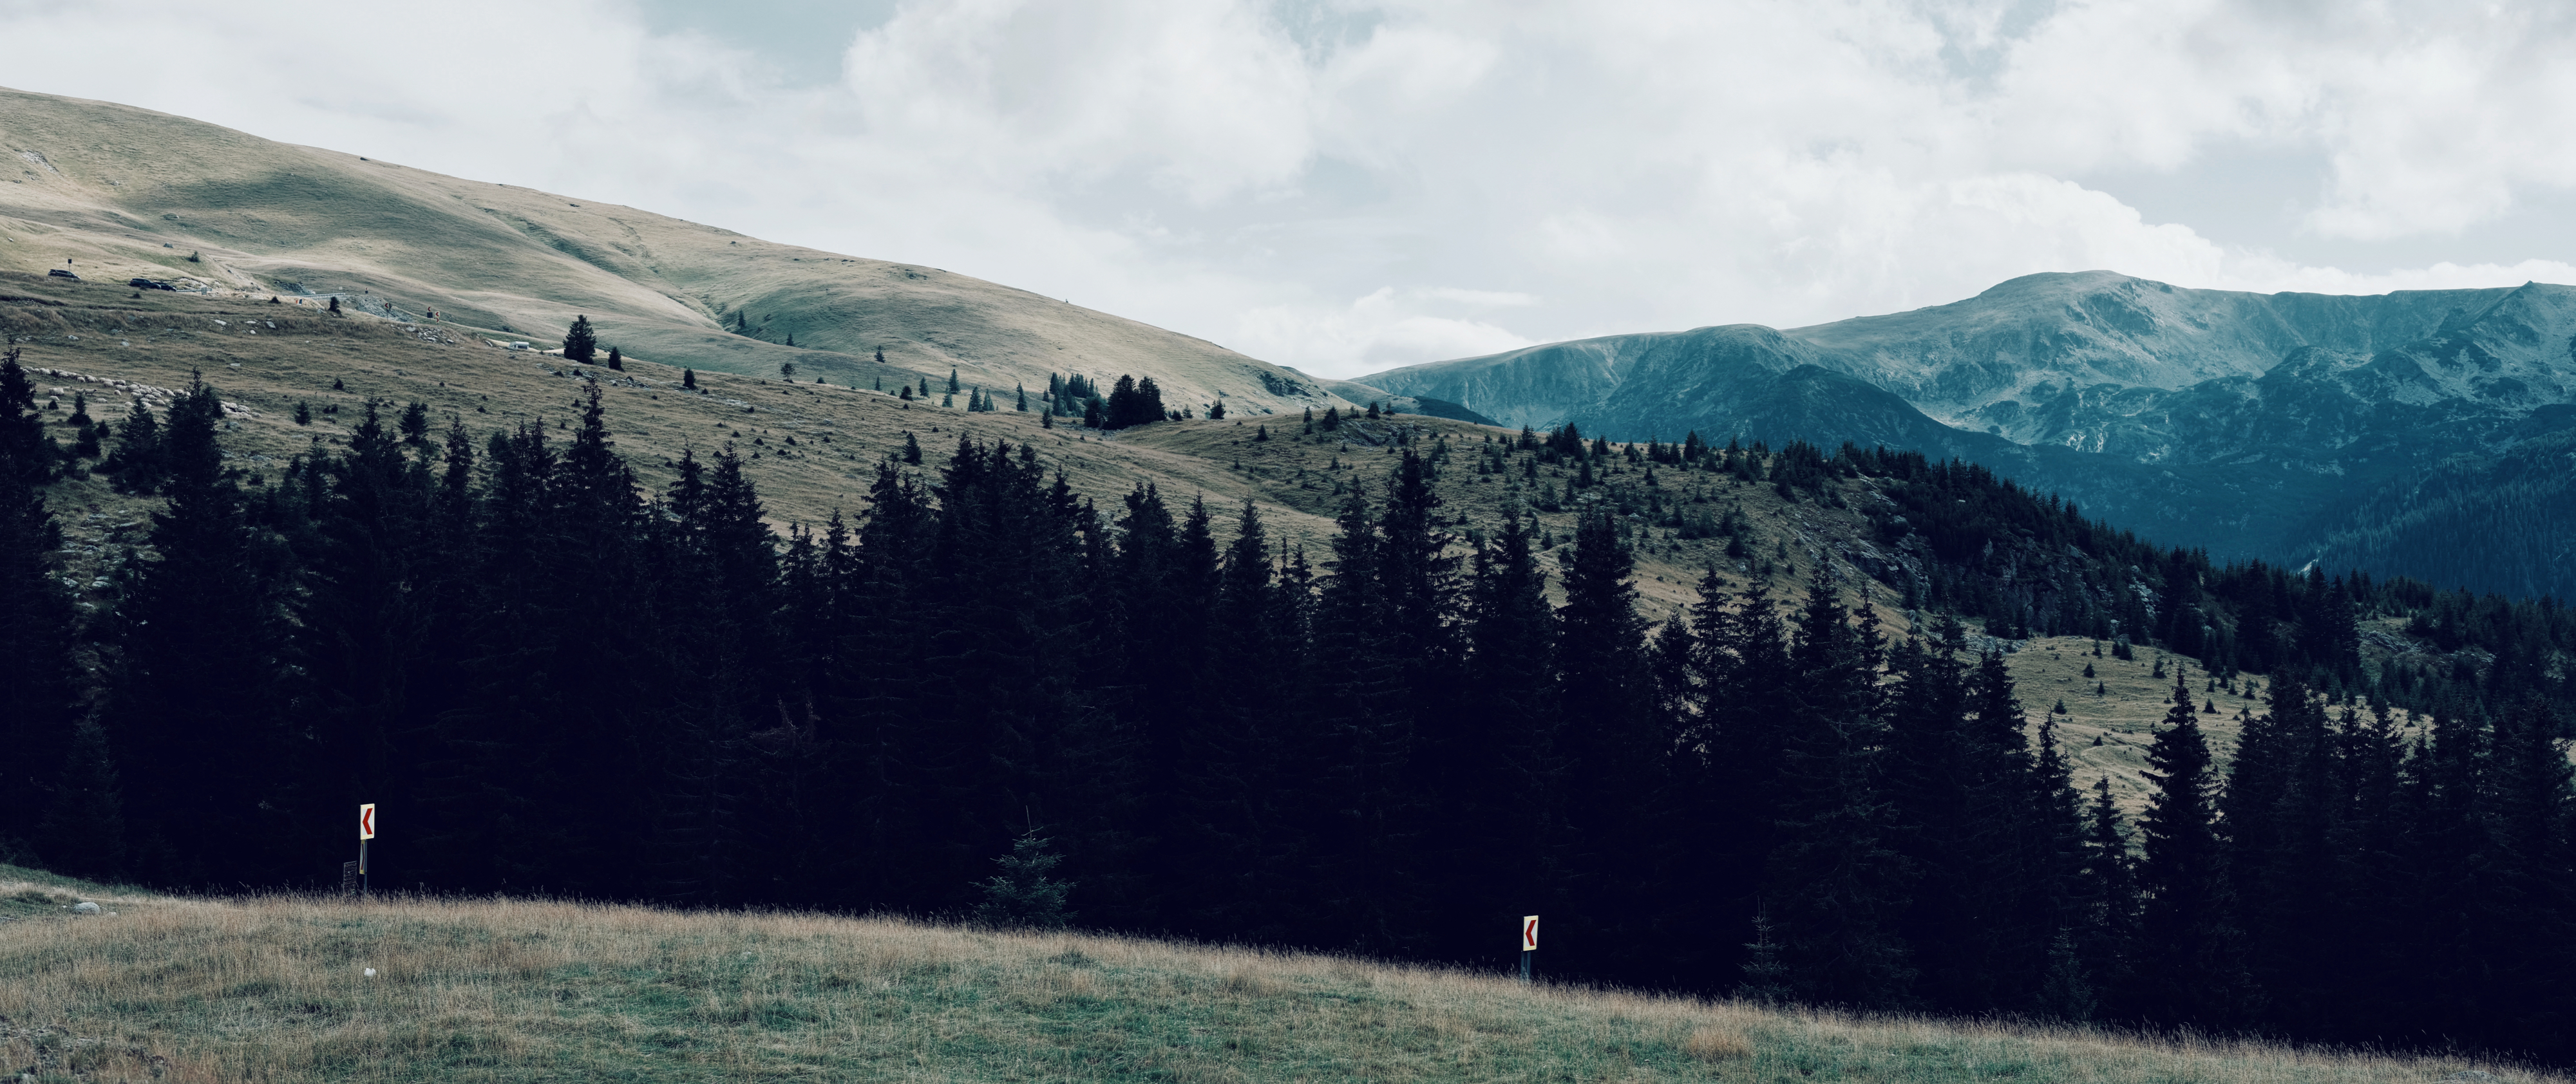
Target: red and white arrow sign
{"type": "Point", "coordinates": [367, 821]}
{"type": "Point", "coordinates": [1529, 933]}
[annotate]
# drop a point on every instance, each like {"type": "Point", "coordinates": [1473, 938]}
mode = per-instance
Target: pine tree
{"type": "Point", "coordinates": [83, 832]}
{"type": "Point", "coordinates": [1239, 803]}
{"type": "Point", "coordinates": [2107, 900]}
{"type": "Point", "coordinates": [1615, 785]}
{"type": "Point", "coordinates": [2523, 930]}
{"type": "Point", "coordinates": [371, 594]}
{"type": "Point", "coordinates": [1837, 886]}
{"type": "Point", "coordinates": [1022, 895]}
{"type": "Point", "coordinates": [2196, 971]}
{"type": "Point", "coordinates": [25, 450]}
{"type": "Point", "coordinates": [193, 714]}
{"type": "Point", "coordinates": [580, 344]}
{"type": "Point", "coordinates": [415, 424]}
{"type": "Point", "coordinates": [1767, 980]}
{"type": "Point", "coordinates": [36, 624]}
{"type": "Point", "coordinates": [616, 359]}
{"type": "Point", "coordinates": [2278, 810]}
{"type": "Point", "coordinates": [689, 379]}
{"type": "Point", "coordinates": [1360, 736]}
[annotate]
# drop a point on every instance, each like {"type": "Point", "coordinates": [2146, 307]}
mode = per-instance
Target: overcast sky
{"type": "Point", "coordinates": [1346, 187]}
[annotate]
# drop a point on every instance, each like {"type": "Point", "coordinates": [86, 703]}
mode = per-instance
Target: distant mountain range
{"type": "Point", "coordinates": [2428, 432]}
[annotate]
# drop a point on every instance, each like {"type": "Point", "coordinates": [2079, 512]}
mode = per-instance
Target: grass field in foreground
{"type": "Point", "coordinates": [274, 989]}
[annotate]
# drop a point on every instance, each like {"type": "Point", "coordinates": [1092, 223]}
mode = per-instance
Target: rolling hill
{"type": "Point", "coordinates": [111, 192]}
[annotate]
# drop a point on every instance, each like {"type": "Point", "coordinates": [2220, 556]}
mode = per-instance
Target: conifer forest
{"type": "Point", "coordinates": [1153, 717]}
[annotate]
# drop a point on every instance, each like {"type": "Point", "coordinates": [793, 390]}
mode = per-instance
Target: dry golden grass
{"type": "Point", "coordinates": [274, 989]}
{"type": "Point", "coordinates": [125, 192]}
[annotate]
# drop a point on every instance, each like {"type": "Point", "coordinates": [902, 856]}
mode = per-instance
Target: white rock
{"type": "Point", "coordinates": [84, 907]}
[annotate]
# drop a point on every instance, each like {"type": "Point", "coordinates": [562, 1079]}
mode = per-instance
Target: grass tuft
{"type": "Point", "coordinates": [1709, 1042]}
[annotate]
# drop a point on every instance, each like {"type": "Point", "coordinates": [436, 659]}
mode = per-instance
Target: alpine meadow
{"type": "Point", "coordinates": [757, 662]}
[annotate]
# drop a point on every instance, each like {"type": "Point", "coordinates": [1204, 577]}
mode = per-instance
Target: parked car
{"type": "Point", "coordinates": [63, 273]}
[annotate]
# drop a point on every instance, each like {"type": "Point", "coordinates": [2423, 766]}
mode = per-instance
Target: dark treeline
{"type": "Point", "coordinates": [550, 683]}
{"type": "Point", "coordinates": [1957, 539]}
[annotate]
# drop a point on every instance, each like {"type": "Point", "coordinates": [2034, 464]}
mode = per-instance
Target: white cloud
{"type": "Point", "coordinates": [1476, 176]}
{"type": "Point", "coordinates": [1381, 329]}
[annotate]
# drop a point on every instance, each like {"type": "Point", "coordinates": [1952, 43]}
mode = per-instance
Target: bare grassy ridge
{"type": "Point", "coordinates": [124, 192]}
{"type": "Point", "coordinates": [273, 989]}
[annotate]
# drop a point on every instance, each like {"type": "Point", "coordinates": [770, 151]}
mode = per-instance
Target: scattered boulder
{"type": "Point", "coordinates": [84, 907]}
{"type": "Point", "coordinates": [151, 284]}
{"type": "Point", "coordinates": [63, 273]}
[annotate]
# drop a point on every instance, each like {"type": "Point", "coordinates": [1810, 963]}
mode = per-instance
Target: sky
{"type": "Point", "coordinates": [1348, 186]}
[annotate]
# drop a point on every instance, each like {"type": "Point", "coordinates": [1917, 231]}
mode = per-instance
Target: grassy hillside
{"type": "Point", "coordinates": [123, 192]}
{"type": "Point", "coordinates": [275, 989]}
{"type": "Point", "coordinates": [267, 359]}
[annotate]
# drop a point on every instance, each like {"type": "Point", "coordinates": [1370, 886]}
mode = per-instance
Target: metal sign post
{"type": "Point", "coordinates": [366, 831]}
{"type": "Point", "coordinates": [1529, 945]}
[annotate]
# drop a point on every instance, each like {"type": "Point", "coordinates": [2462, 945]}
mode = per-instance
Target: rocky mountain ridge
{"type": "Point", "coordinates": [2247, 424]}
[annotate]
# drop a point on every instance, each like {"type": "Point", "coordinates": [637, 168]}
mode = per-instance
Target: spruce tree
{"type": "Point", "coordinates": [372, 592]}
{"type": "Point", "coordinates": [202, 751]}
{"type": "Point", "coordinates": [1615, 785]}
{"type": "Point", "coordinates": [2195, 973]}
{"type": "Point", "coordinates": [1239, 804]}
{"type": "Point", "coordinates": [2523, 931]}
{"type": "Point", "coordinates": [2278, 810]}
{"type": "Point", "coordinates": [25, 451]}
{"type": "Point", "coordinates": [1359, 732]}
{"type": "Point", "coordinates": [83, 831]}
{"type": "Point", "coordinates": [1835, 883]}
{"type": "Point", "coordinates": [36, 625]}
{"type": "Point", "coordinates": [580, 344]}
{"type": "Point", "coordinates": [2106, 912]}
{"type": "Point", "coordinates": [689, 379]}
{"type": "Point", "coordinates": [1493, 767]}
{"type": "Point", "coordinates": [1022, 895]}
